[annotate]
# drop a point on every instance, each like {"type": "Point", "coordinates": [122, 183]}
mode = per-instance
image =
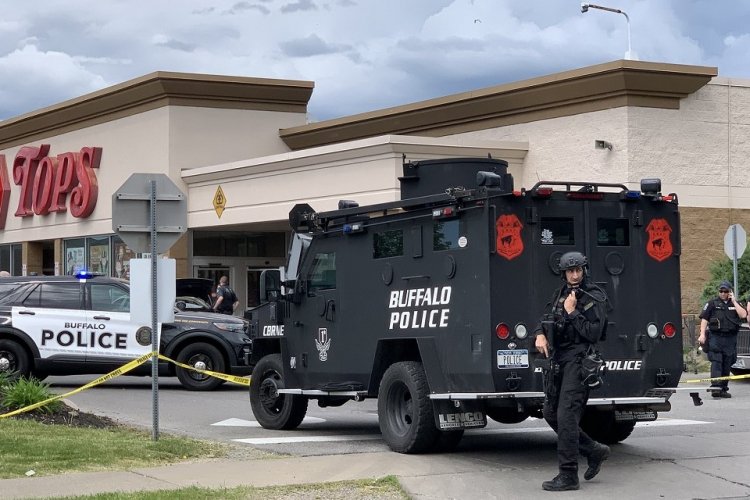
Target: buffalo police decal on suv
{"type": "Point", "coordinates": [64, 325]}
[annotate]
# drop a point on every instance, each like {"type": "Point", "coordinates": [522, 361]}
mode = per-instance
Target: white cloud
{"type": "Point", "coordinates": [362, 54]}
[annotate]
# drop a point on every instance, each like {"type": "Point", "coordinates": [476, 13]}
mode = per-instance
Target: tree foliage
{"type": "Point", "coordinates": [722, 270]}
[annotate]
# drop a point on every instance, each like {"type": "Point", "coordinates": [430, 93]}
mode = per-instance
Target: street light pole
{"type": "Point", "coordinates": [585, 8]}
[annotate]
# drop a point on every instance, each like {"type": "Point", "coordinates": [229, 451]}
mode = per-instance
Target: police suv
{"type": "Point", "coordinates": [65, 325]}
{"type": "Point", "coordinates": [428, 303]}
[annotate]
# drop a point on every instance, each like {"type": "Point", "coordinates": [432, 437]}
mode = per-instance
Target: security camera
{"type": "Point", "coordinates": [599, 144]}
{"type": "Point", "coordinates": [584, 8]}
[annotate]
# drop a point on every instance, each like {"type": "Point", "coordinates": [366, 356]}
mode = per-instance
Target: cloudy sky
{"type": "Point", "coordinates": [361, 54]}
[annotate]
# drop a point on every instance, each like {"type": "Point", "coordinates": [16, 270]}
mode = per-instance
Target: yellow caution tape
{"type": "Point", "coordinates": [124, 369]}
{"type": "Point", "coordinates": [109, 376]}
{"type": "Point", "coordinates": [229, 378]}
{"type": "Point", "coordinates": [729, 377]}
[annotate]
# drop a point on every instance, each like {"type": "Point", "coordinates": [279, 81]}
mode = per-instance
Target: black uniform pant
{"type": "Point", "coordinates": [722, 352]}
{"type": "Point", "coordinates": [564, 403]}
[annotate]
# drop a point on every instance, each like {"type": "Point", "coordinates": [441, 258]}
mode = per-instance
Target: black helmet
{"type": "Point", "coordinates": [569, 260]}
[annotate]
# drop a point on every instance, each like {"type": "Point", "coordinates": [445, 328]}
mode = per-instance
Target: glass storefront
{"type": "Point", "coordinates": [107, 255]}
{"type": "Point", "coordinates": [11, 259]}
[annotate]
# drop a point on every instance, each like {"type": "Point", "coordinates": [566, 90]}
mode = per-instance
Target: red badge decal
{"type": "Point", "coordinates": [659, 246]}
{"type": "Point", "coordinates": [509, 242]}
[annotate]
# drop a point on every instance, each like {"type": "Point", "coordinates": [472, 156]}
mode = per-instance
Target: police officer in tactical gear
{"type": "Point", "coordinates": [576, 320]}
{"type": "Point", "coordinates": [720, 322]}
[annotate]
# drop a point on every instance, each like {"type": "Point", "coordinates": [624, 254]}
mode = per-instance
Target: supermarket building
{"type": "Point", "coordinates": [243, 152]}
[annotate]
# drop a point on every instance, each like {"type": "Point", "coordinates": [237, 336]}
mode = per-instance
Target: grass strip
{"type": "Point", "coordinates": [386, 488]}
{"type": "Point", "coordinates": [52, 449]}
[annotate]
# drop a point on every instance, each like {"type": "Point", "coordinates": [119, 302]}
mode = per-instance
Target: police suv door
{"type": "Point", "coordinates": [113, 338]}
{"type": "Point", "coordinates": [52, 316]}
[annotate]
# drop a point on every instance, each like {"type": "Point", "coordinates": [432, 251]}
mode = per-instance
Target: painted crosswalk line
{"type": "Point", "coordinates": [239, 422]}
{"type": "Point", "coordinates": [666, 422]}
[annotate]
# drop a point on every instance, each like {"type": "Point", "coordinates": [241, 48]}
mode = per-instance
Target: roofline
{"type": "Point", "coordinates": [593, 88]}
{"type": "Point", "coordinates": [153, 91]}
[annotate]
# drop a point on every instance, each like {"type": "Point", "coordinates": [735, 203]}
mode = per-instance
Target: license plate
{"type": "Point", "coordinates": [515, 358]}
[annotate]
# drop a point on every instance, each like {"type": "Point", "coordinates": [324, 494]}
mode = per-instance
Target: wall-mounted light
{"type": "Point", "coordinates": [599, 144]}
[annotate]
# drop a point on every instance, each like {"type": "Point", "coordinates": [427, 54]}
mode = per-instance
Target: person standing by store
{"type": "Point", "coordinates": [226, 299]}
{"type": "Point", "coordinates": [576, 320]}
{"type": "Point", "coordinates": [720, 322]}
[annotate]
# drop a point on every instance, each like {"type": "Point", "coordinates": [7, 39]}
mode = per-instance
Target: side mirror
{"type": "Point", "coordinates": [270, 285]}
{"type": "Point", "coordinates": [180, 304]}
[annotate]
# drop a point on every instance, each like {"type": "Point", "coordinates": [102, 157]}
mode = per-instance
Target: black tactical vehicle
{"type": "Point", "coordinates": [428, 303]}
{"type": "Point", "coordinates": [66, 325]}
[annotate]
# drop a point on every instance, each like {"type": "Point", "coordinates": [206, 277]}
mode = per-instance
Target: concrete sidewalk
{"type": "Point", "coordinates": [230, 473]}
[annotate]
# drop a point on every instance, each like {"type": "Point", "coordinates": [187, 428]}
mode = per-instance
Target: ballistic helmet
{"type": "Point", "coordinates": [569, 260]}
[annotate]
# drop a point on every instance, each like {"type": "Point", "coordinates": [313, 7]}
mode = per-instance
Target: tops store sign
{"type": "Point", "coordinates": [46, 181]}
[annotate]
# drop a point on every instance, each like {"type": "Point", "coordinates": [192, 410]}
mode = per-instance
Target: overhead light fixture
{"type": "Point", "coordinates": [585, 8]}
{"type": "Point", "coordinates": [599, 144]}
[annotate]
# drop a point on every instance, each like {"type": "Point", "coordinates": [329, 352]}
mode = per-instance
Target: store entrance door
{"type": "Point", "coordinates": [213, 273]}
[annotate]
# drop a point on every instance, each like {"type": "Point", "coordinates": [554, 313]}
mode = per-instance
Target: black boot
{"type": "Point", "coordinates": [595, 461]}
{"type": "Point", "coordinates": [562, 482]}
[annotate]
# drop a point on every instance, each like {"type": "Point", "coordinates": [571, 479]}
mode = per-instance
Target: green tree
{"type": "Point", "coordinates": [722, 270]}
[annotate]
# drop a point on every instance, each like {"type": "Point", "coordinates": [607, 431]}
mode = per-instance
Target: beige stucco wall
{"type": "Point", "coordinates": [264, 189]}
{"type": "Point", "coordinates": [164, 140]}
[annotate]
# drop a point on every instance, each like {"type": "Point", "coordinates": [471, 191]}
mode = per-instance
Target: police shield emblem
{"type": "Point", "coordinates": [659, 246]}
{"type": "Point", "coordinates": [322, 344]}
{"type": "Point", "coordinates": [509, 242]}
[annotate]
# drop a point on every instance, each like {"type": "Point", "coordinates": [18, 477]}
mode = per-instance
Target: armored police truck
{"type": "Point", "coordinates": [429, 303]}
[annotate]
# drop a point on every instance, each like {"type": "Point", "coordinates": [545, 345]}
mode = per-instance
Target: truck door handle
{"type": "Point", "coordinates": [30, 313]}
{"type": "Point", "coordinates": [330, 310]}
{"type": "Point", "coordinates": [102, 317]}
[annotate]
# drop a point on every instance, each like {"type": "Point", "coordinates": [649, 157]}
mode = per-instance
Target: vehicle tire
{"type": "Point", "coordinates": [271, 409]}
{"type": "Point", "coordinates": [14, 358]}
{"type": "Point", "coordinates": [447, 441]}
{"type": "Point", "coordinates": [602, 426]}
{"type": "Point", "coordinates": [405, 411]}
{"type": "Point", "coordinates": [204, 356]}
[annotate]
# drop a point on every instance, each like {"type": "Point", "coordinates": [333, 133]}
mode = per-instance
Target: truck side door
{"type": "Point", "coordinates": [319, 316]}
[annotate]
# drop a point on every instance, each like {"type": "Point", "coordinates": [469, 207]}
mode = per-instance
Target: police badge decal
{"type": "Point", "coordinates": [322, 343]}
{"type": "Point", "coordinates": [509, 242]}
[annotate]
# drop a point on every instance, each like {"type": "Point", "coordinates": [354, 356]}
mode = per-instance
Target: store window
{"type": "Point", "coordinates": [98, 254]}
{"type": "Point", "coordinates": [121, 257]}
{"type": "Point", "coordinates": [238, 244]}
{"type": "Point", "coordinates": [75, 255]}
{"type": "Point", "coordinates": [10, 259]}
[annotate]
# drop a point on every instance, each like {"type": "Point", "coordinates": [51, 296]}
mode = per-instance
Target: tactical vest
{"type": "Point", "coordinates": [724, 318]}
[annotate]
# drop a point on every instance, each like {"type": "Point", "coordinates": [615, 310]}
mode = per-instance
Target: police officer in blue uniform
{"type": "Point", "coordinates": [575, 322]}
{"type": "Point", "coordinates": [720, 322]}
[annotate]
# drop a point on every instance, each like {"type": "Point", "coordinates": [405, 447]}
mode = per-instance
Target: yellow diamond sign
{"type": "Point", "coordinates": [220, 201]}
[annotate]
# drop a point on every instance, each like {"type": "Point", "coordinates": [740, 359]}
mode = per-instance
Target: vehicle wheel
{"type": "Point", "coordinates": [271, 409]}
{"type": "Point", "coordinates": [404, 409]}
{"type": "Point", "coordinates": [447, 441]}
{"type": "Point", "coordinates": [14, 359]}
{"type": "Point", "coordinates": [203, 356]}
{"type": "Point", "coordinates": [602, 426]}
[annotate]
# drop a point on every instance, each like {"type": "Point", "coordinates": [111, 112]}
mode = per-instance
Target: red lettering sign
{"type": "Point", "coordinates": [509, 242]}
{"type": "Point", "coordinates": [659, 246]}
{"type": "Point", "coordinates": [46, 182]}
{"type": "Point", "coordinates": [4, 191]}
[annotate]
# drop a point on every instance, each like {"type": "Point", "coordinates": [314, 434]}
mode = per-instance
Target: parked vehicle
{"type": "Point", "coordinates": [65, 325]}
{"type": "Point", "coordinates": [428, 303]}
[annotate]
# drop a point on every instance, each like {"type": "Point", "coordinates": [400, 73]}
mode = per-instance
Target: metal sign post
{"type": "Point", "coordinates": [735, 243]}
{"type": "Point", "coordinates": [136, 218]}
{"type": "Point", "coordinates": [154, 321]}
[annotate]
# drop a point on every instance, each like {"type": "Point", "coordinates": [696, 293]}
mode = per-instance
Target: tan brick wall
{"type": "Point", "coordinates": [702, 233]}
